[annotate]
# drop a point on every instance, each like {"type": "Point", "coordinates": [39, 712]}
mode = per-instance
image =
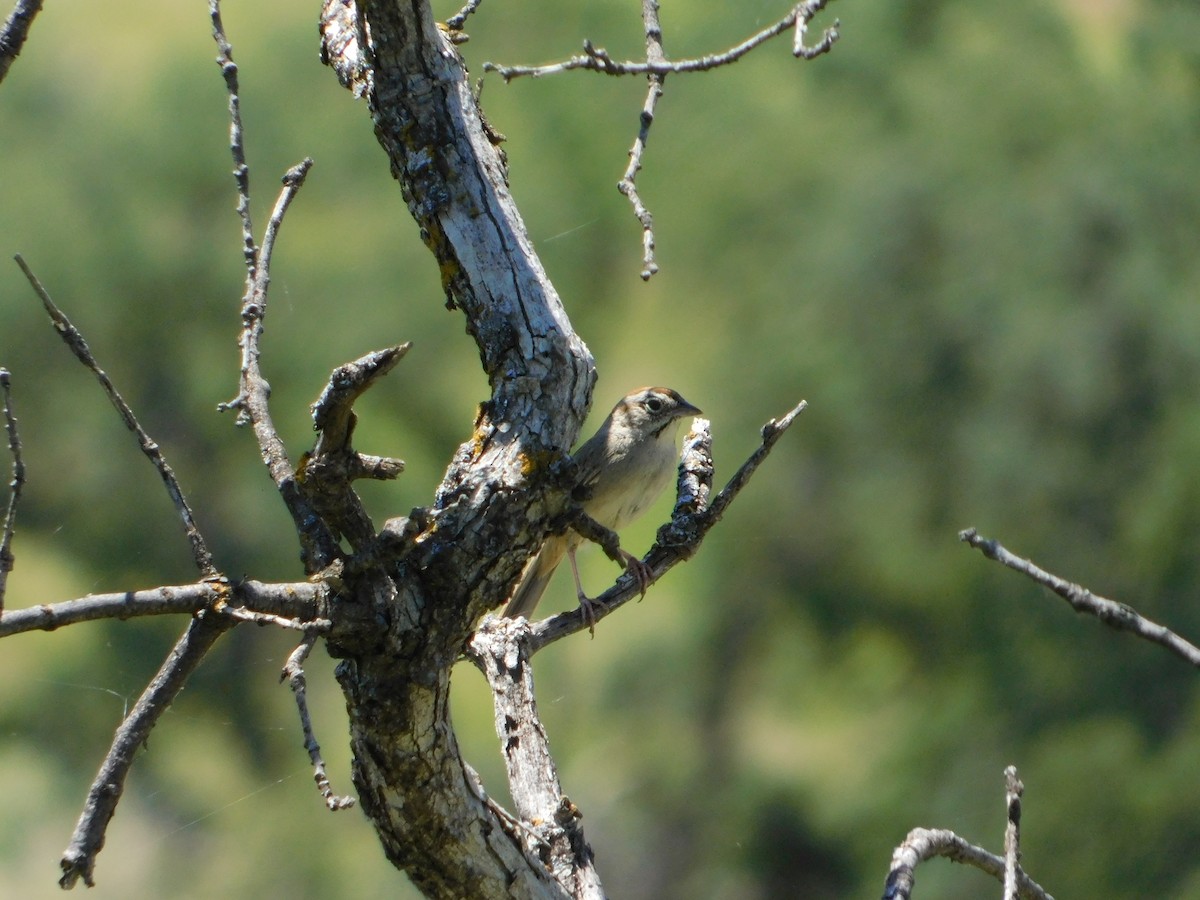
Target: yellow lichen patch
{"type": "Point", "coordinates": [536, 462]}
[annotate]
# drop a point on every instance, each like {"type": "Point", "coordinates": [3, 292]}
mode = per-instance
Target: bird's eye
{"type": "Point", "coordinates": [654, 404]}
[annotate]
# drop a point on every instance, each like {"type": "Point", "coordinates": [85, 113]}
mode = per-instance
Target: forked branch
{"type": "Point", "coordinates": [628, 183]}
{"type": "Point", "coordinates": [597, 59]}
{"type": "Point", "coordinates": [678, 540]}
{"type": "Point", "coordinates": [923, 844]}
{"type": "Point", "coordinates": [656, 67]}
{"type": "Point", "coordinates": [503, 649]}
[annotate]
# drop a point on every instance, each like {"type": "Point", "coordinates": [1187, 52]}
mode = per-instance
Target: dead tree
{"type": "Point", "coordinates": [400, 603]}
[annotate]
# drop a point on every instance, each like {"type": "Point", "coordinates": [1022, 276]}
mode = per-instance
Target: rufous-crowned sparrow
{"type": "Point", "coordinates": [622, 469]}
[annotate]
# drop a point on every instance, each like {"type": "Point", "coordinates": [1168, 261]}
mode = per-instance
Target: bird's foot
{"type": "Point", "coordinates": [587, 608]}
{"type": "Point", "coordinates": [641, 572]}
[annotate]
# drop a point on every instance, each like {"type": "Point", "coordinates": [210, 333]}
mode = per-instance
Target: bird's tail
{"type": "Point", "coordinates": [537, 574]}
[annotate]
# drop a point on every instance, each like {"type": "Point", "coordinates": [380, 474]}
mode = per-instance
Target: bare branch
{"type": "Point", "coordinates": [656, 67]}
{"type": "Point", "coordinates": [14, 487]}
{"type": "Point", "coordinates": [1012, 832]}
{"type": "Point", "coordinates": [289, 605]}
{"type": "Point", "coordinates": [293, 671]}
{"type": "Point", "coordinates": [241, 171]}
{"type": "Point", "coordinates": [551, 829]}
{"type": "Point", "coordinates": [456, 21]}
{"type": "Point", "coordinates": [924, 844]}
{"type": "Point", "coordinates": [252, 399]}
{"type": "Point", "coordinates": [77, 345]}
{"type": "Point", "coordinates": [679, 539]}
{"type": "Point", "coordinates": [596, 59]}
{"type": "Point", "coordinates": [333, 414]}
{"type": "Point", "coordinates": [252, 402]}
{"type": "Point", "coordinates": [318, 545]}
{"type": "Point", "coordinates": [771, 432]}
{"type": "Point", "coordinates": [16, 29]}
{"type": "Point", "coordinates": [628, 183]}
{"type": "Point", "coordinates": [79, 859]}
{"type": "Point", "coordinates": [216, 606]}
{"type": "Point", "coordinates": [333, 465]}
{"type": "Point", "coordinates": [254, 393]}
{"type": "Point", "coordinates": [1117, 615]}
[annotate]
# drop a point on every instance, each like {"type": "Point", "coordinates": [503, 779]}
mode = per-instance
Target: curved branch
{"type": "Point", "coordinates": [923, 844]}
{"type": "Point", "coordinates": [1120, 616]}
{"type": "Point", "coordinates": [293, 673]}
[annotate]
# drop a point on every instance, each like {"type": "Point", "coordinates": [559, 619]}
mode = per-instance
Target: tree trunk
{"type": "Point", "coordinates": [400, 627]}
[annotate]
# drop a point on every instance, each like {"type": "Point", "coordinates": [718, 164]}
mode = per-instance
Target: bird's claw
{"type": "Point", "coordinates": [641, 572]}
{"type": "Point", "coordinates": [587, 608]}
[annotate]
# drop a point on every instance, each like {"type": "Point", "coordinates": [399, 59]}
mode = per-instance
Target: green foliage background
{"type": "Point", "coordinates": [968, 237]}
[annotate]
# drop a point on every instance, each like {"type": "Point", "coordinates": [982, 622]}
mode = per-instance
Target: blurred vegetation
{"type": "Point", "coordinates": [967, 237]}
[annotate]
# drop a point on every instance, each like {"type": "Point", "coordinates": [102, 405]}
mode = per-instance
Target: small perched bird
{"type": "Point", "coordinates": [622, 469]}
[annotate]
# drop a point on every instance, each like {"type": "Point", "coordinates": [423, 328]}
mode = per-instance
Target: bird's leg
{"type": "Point", "coordinates": [639, 570]}
{"type": "Point", "coordinates": [586, 606]}
{"type": "Point", "coordinates": [608, 541]}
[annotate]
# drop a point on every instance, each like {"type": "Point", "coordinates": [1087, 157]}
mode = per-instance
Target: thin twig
{"type": "Point", "coordinates": [308, 626]}
{"type": "Point", "coordinates": [628, 183]}
{"type": "Point", "coordinates": [293, 671]}
{"type": "Point", "coordinates": [79, 859]}
{"type": "Point", "coordinates": [1012, 832]}
{"type": "Point", "coordinates": [14, 487]}
{"type": "Point", "coordinates": [16, 29]}
{"type": "Point", "coordinates": [923, 844]}
{"type": "Point", "coordinates": [1117, 615]}
{"type": "Point", "coordinates": [513, 825]}
{"type": "Point", "coordinates": [456, 21]}
{"type": "Point", "coordinates": [252, 399]}
{"type": "Point", "coordinates": [286, 604]}
{"type": "Point", "coordinates": [319, 547]}
{"type": "Point", "coordinates": [771, 432]}
{"type": "Point", "coordinates": [241, 171]}
{"type": "Point", "coordinates": [77, 345]}
{"type": "Point", "coordinates": [596, 59]}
